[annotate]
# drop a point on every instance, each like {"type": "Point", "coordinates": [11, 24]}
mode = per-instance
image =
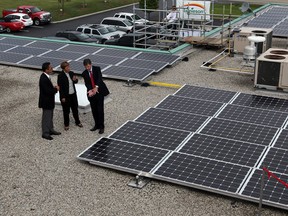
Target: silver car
{"type": "Point", "coordinates": [120, 23]}
{"type": "Point", "coordinates": [97, 31]}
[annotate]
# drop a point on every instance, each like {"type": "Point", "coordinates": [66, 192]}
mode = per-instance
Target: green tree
{"type": "Point", "coordinates": [150, 4]}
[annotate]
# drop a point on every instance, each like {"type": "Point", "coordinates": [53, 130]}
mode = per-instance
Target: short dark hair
{"type": "Point", "coordinates": [45, 66]}
{"type": "Point", "coordinates": [86, 62]}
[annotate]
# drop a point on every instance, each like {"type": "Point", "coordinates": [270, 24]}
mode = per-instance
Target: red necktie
{"type": "Point", "coordinates": [92, 79]}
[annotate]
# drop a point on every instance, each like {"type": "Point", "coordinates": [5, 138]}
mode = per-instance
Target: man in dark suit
{"type": "Point", "coordinates": [68, 97]}
{"type": "Point", "coordinates": [96, 90]}
{"type": "Point", "coordinates": [47, 101]}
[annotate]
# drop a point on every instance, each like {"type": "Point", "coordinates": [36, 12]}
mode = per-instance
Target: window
{"type": "Point", "coordinates": [87, 31]}
{"type": "Point", "coordinates": [79, 29]}
{"type": "Point", "coordinates": [95, 32]}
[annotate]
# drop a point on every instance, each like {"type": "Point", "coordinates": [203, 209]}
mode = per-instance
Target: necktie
{"type": "Point", "coordinates": [92, 79]}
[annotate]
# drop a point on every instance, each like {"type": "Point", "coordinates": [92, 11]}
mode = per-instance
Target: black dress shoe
{"type": "Point", "coordinates": [55, 133]}
{"type": "Point", "coordinates": [47, 137]}
{"type": "Point", "coordinates": [101, 131]}
{"type": "Point", "coordinates": [94, 128]}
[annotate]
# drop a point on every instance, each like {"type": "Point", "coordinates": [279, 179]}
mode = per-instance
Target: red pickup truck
{"type": "Point", "coordinates": [37, 15]}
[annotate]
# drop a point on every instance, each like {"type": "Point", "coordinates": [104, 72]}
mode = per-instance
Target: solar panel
{"type": "Point", "coordinates": [107, 58]}
{"type": "Point", "coordinates": [37, 62]}
{"type": "Point", "coordinates": [96, 59]}
{"type": "Point", "coordinates": [205, 93]}
{"type": "Point", "coordinates": [282, 140]}
{"type": "Point", "coordinates": [153, 65]}
{"type": "Point", "coordinates": [127, 73]}
{"type": "Point", "coordinates": [80, 48]}
{"type": "Point", "coordinates": [117, 52]}
{"type": "Point", "coordinates": [28, 50]}
{"type": "Point", "coordinates": [122, 155]}
{"type": "Point", "coordinates": [78, 68]}
{"type": "Point", "coordinates": [158, 57]}
{"type": "Point", "coordinates": [190, 105]}
{"type": "Point", "coordinates": [253, 115]}
{"type": "Point", "coordinates": [215, 140]}
{"type": "Point", "coordinates": [222, 149]}
{"type": "Point", "coordinates": [274, 193]}
{"type": "Point", "coordinates": [262, 102]}
{"type": "Point", "coordinates": [172, 119]}
{"type": "Point", "coordinates": [240, 131]}
{"type": "Point", "coordinates": [64, 55]}
{"type": "Point", "coordinates": [150, 135]}
{"type": "Point", "coordinates": [189, 169]}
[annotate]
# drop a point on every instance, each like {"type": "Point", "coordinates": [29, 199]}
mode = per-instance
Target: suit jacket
{"type": "Point", "coordinates": [103, 90]}
{"type": "Point", "coordinates": [47, 93]}
{"type": "Point", "coordinates": [63, 83]}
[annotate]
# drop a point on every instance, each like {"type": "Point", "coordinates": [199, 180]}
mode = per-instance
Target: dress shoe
{"type": "Point", "coordinates": [47, 137]}
{"type": "Point", "coordinates": [79, 125]}
{"type": "Point", "coordinates": [55, 133]}
{"type": "Point", "coordinates": [94, 128]}
{"type": "Point", "coordinates": [101, 131]}
{"type": "Point", "coordinates": [66, 128]}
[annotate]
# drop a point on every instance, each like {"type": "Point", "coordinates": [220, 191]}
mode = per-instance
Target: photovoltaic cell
{"type": "Point", "coordinates": [276, 160]}
{"type": "Point", "coordinates": [38, 61]}
{"type": "Point", "coordinates": [190, 105]}
{"type": "Point", "coordinates": [154, 65]}
{"type": "Point", "coordinates": [282, 140]}
{"type": "Point", "coordinates": [253, 115]}
{"type": "Point", "coordinates": [262, 102]}
{"type": "Point", "coordinates": [205, 93]}
{"type": "Point", "coordinates": [127, 73]}
{"type": "Point", "coordinates": [122, 155]}
{"type": "Point", "coordinates": [77, 66]}
{"type": "Point", "coordinates": [80, 48]}
{"type": "Point", "coordinates": [13, 57]}
{"type": "Point", "coordinates": [240, 131]}
{"type": "Point", "coordinates": [47, 44]}
{"type": "Point", "coordinates": [172, 119]}
{"type": "Point", "coordinates": [64, 55]}
{"type": "Point", "coordinates": [150, 135]}
{"type": "Point", "coordinates": [227, 150]}
{"type": "Point", "coordinates": [189, 169]}
{"type": "Point", "coordinates": [274, 192]}
{"type": "Point", "coordinates": [15, 41]}
{"type": "Point", "coordinates": [28, 50]}
{"type": "Point", "coordinates": [4, 47]}
{"type": "Point", "coordinates": [96, 59]}
{"type": "Point", "coordinates": [158, 57]}
{"type": "Point", "coordinates": [117, 53]}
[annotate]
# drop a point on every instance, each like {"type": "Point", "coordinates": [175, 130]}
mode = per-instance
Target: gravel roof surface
{"type": "Point", "coordinates": [40, 177]}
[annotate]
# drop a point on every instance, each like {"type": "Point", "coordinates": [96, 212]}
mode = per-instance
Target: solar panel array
{"type": "Point", "coordinates": [205, 138]}
{"type": "Point", "coordinates": [115, 63]}
{"type": "Point", "coordinates": [275, 17]}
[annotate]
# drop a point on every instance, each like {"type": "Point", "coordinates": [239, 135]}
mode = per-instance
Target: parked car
{"type": "Point", "coordinates": [120, 23]}
{"type": "Point", "coordinates": [115, 30]}
{"type": "Point", "coordinates": [97, 31]}
{"type": "Point", "coordinates": [37, 15]}
{"type": "Point", "coordinates": [76, 36]}
{"type": "Point", "coordinates": [2, 29]}
{"type": "Point", "coordinates": [11, 25]}
{"type": "Point", "coordinates": [134, 18]}
{"type": "Point", "coordinates": [128, 40]}
{"type": "Point", "coordinates": [21, 17]}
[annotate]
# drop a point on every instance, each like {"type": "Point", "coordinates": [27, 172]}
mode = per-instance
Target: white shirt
{"type": "Point", "coordinates": [172, 16]}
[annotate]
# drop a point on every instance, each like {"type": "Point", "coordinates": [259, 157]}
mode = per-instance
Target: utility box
{"type": "Point", "coordinates": [240, 39]}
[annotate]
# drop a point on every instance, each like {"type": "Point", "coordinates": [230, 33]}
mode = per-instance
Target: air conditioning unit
{"type": "Point", "coordinates": [271, 70]}
{"type": "Point", "coordinates": [241, 39]}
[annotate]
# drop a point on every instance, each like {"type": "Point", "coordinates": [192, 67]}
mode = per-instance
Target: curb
{"type": "Point", "coordinates": [98, 12]}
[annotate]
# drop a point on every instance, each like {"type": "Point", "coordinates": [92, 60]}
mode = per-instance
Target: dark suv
{"type": "Point", "coordinates": [76, 36]}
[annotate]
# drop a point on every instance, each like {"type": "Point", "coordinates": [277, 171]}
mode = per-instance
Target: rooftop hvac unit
{"type": "Point", "coordinates": [272, 69]}
{"type": "Point", "coordinates": [241, 39]}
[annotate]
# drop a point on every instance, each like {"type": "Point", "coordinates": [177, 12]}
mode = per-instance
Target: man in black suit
{"type": "Point", "coordinates": [68, 97]}
{"type": "Point", "coordinates": [47, 101]}
{"type": "Point", "coordinates": [96, 90]}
